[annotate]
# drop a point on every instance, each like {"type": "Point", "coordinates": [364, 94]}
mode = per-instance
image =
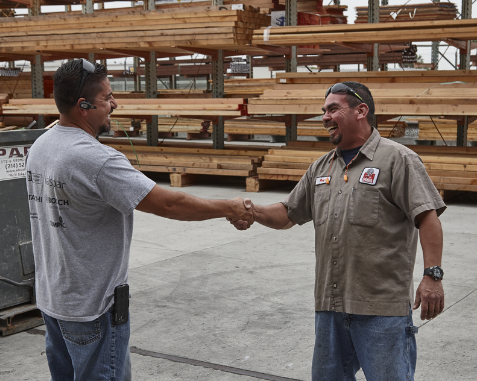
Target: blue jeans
{"type": "Point", "coordinates": [88, 351]}
{"type": "Point", "coordinates": [385, 347]}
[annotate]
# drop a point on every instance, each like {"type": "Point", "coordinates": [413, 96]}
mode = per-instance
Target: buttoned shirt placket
{"type": "Point", "coordinates": [340, 190]}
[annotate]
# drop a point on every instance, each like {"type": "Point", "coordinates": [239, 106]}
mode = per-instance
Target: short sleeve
{"type": "Point", "coordinates": [300, 201]}
{"type": "Point", "coordinates": [412, 189]}
{"type": "Point", "coordinates": [122, 186]}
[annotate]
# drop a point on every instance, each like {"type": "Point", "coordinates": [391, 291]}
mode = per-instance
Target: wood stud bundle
{"type": "Point", "coordinates": [164, 30]}
{"type": "Point", "coordinates": [233, 107]}
{"type": "Point", "coordinates": [198, 161]}
{"type": "Point", "coordinates": [410, 12]}
{"type": "Point", "coordinates": [450, 168]}
{"type": "Point", "coordinates": [368, 33]}
{"type": "Point", "coordinates": [418, 93]}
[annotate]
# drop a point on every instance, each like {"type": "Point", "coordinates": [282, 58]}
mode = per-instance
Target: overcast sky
{"type": "Point", "coordinates": [351, 13]}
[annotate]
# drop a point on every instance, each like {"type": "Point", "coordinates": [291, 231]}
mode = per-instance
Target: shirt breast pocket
{"type": "Point", "coordinates": [322, 204]}
{"type": "Point", "coordinates": [363, 209]}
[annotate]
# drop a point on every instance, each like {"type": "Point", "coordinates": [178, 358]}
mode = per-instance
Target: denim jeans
{"type": "Point", "coordinates": [88, 351]}
{"type": "Point", "coordinates": [385, 347]}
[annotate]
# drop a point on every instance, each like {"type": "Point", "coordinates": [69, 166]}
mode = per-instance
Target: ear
{"type": "Point", "coordinates": [362, 111]}
{"type": "Point", "coordinates": [81, 110]}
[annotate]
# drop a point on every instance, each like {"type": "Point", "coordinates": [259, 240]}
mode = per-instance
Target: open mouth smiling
{"type": "Point", "coordinates": [331, 129]}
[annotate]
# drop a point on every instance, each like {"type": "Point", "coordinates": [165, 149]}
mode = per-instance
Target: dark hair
{"type": "Point", "coordinates": [364, 93]}
{"type": "Point", "coordinates": [67, 80]}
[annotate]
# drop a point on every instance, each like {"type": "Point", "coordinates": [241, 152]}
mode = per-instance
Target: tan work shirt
{"type": "Point", "coordinates": [365, 234]}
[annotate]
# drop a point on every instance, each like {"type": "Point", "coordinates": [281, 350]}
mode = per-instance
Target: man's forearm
{"type": "Point", "coordinates": [431, 237]}
{"type": "Point", "coordinates": [184, 207]}
{"type": "Point", "coordinates": [273, 216]}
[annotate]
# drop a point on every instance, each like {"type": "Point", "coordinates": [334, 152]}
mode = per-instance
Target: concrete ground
{"type": "Point", "coordinates": [204, 291]}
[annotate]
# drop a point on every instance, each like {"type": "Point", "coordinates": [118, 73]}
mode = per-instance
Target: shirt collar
{"type": "Point", "coordinates": [369, 148]}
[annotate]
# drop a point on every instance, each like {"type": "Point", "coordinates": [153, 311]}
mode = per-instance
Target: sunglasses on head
{"type": "Point", "coordinates": [342, 88]}
{"type": "Point", "coordinates": [88, 68]}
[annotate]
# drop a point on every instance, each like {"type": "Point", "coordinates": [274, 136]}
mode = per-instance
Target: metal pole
{"type": "Point", "coordinates": [291, 17]}
{"type": "Point", "coordinates": [151, 86]}
{"type": "Point", "coordinates": [35, 10]}
{"type": "Point", "coordinates": [435, 48]}
{"type": "Point", "coordinates": [173, 84]}
{"type": "Point", "coordinates": [464, 65]}
{"type": "Point", "coordinates": [218, 91]}
{"type": "Point", "coordinates": [38, 91]}
{"type": "Point", "coordinates": [137, 79]}
{"type": "Point", "coordinates": [88, 7]}
{"type": "Point", "coordinates": [373, 17]}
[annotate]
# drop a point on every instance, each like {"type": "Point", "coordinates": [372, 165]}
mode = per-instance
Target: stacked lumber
{"type": "Point", "coordinates": [167, 30]}
{"type": "Point", "coordinates": [256, 126]}
{"type": "Point", "coordinates": [397, 32]}
{"type": "Point", "coordinates": [437, 129]}
{"type": "Point", "coordinates": [248, 87]}
{"type": "Point", "coordinates": [16, 87]}
{"type": "Point", "coordinates": [187, 164]}
{"type": "Point", "coordinates": [305, 5]}
{"type": "Point", "coordinates": [266, 6]}
{"type": "Point", "coordinates": [333, 14]}
{"type": "Point", "coordinates": [410, 12]}
{"type": "Point", "coordinates": [410, 93]}
{"type": "Point", "coordinates": [233, 107]}
{"type": "Point", "coordinates": [450, 168]}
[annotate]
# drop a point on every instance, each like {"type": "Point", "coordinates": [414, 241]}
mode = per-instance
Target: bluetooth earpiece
{"type": "Point", "coordinates": [85, 105]}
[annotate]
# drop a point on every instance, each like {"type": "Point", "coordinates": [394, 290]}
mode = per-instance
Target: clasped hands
{"type": "Point", "coordinates": [244, 215]}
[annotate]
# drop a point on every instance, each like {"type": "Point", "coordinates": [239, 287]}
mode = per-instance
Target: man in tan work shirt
{"type": "Point", "coordinates": [369, 199]}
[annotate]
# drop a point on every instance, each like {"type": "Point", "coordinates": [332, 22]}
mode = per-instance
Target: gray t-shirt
{"type": "Point", "coordinates": [81, 196]}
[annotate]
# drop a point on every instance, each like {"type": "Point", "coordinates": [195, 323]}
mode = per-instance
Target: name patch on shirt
{"type": "Point", "coordinates": [369, 176]}
{"type": "Point", "coordinates": [322, 180]}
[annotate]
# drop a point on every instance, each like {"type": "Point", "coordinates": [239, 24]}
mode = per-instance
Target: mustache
{"type": "Point", "coordinates": [329, 124]}
{"type": "Point", "coordinates": [112, 109]}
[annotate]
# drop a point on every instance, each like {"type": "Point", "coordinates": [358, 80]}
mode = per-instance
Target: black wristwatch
{"type": "Point", "coordinates": [435, 272]}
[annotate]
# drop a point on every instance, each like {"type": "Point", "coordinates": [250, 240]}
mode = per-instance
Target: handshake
{"type": "Point", "coordinates": [244, 213]}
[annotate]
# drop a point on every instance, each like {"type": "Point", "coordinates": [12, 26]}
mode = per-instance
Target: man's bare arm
{"type": "Point", "coordinates": [274, 216]}
{"type": "Point", "coordinates": [184, 207]}
{"type": "Point", "coordinates": [430, 293]}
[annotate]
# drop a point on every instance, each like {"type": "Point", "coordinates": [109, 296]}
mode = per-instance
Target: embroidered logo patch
{"type": "Point", "coordinates": [322, 180]}
{"type": "Point", "coordinates": [369, 176]}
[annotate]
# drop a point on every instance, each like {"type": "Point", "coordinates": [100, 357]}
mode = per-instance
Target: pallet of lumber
{"type": "Point", "coordinates": [410, 12]}
{"type": "Point", "coordinates": [450, 168]}
{"type": "Point", "coordinates": [187, 164]}
{"type": "Point", "coordinates": [434, 101]}
{"type": "Point", "coordinates": [397, 32]}
{"type": "Point", "coordinates": [165, 30]}
{"type": "Point", "coordinates": [442, 129]}
{"type": "Point", "coordinates": [385, 77]}
{"type": "Point", "coordinates": [248, 86]}
{"type": "Point", "coordinates": [234, 107]}
{"type": "Point", "coordinates": [255, 126]}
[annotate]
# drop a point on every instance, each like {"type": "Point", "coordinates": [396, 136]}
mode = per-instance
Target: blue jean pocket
{"type": "Point", "coordinates": [80, 333]}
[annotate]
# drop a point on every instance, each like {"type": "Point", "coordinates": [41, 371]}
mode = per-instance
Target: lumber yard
{"type": "Point", "coordinates": [225, 98]}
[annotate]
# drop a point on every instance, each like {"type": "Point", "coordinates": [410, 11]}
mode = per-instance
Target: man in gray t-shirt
{"type": "Point", "coordinates": [82, 195]}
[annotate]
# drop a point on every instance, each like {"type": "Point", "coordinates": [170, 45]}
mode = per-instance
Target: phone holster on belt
{"type": "Point", "coordinates": [121, 304]}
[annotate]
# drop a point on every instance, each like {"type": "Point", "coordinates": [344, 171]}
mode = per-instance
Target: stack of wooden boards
{"type": "Point", "coordinates": [404, 93]}
{"type": "Point", "coordinates": [231, 107]}
{"type": "Point", "coordinates": [367, 33]}
{"type": "Point", "coordinates": [450, 168]}
{"type": "Point", "coordinates": [266, 6]}
{"type": "Point", "coordinates": [167, 30]}
{"type": "Point", "coordinates": [439, 129]}
{"type": "Point", "coordinates": [183, 162]}
{"type": "Point", "coordinates": [410, 12]}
